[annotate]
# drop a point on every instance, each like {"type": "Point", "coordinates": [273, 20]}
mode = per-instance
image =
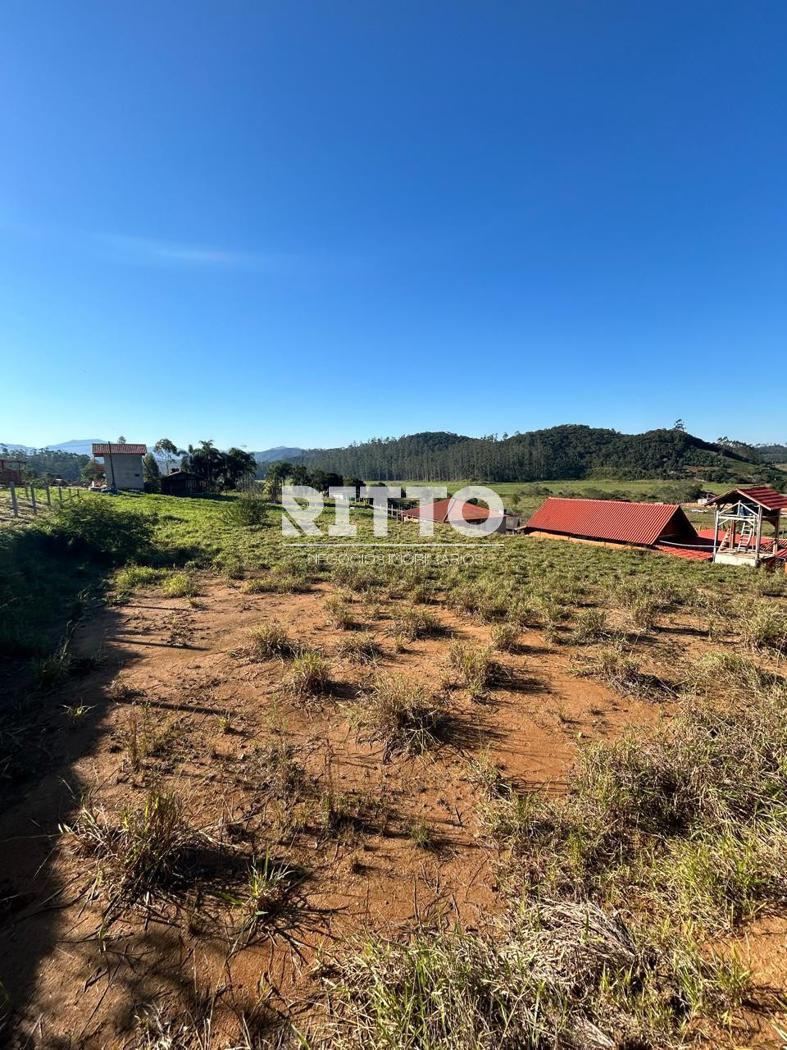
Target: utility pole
{"type": "Point", "coordinates": [111, 464]}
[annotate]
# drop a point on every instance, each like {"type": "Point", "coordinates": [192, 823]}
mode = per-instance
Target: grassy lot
{"type": "Point", "coordinates": [259, 682]}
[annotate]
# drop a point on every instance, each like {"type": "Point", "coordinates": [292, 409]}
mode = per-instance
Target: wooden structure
{"type": "Point", "coordinates": [11, 471]}
{"type": "Point", "coordinates": [738, 533]}
{"type": "Point", "coordinates": [181, 483]}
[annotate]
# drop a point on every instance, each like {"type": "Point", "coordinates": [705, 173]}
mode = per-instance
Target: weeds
{"type": "Point", "coordinates": [404, 718]}
{"type": "Point", "coordinates": [270, 640]}
{"type": "Point", "coordinates": [474, 667]}
{"type": "Point", "coordinates": [309, 675]}
{"type": "Point", "coordinates": [505, 637]}
{"type": "Point", "coordinates": [361, 648]}
{"type": "Point", "coordinates": [339, 613]}
{"type": "Point", "coordinates": [416, 623]}
{"type": "Point", "coordinates": [141, 855]}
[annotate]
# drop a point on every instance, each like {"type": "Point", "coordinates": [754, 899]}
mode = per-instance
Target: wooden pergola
{"type": "Point", "coordinates": [740, 516]}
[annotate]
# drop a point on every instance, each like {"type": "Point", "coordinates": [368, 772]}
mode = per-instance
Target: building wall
{"type": "Point", "coordinates": [128, 471]}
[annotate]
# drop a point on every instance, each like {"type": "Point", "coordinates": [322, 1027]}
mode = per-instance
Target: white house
{"type": "Point", "coordinates": [122, 464]}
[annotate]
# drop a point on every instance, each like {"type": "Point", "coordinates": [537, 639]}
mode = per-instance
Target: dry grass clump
{"type": "Point", "coordinates": [560, 974]}
{"type": "Point", "coordinates": [474, 667]}
{"type": "Point", "coordinates": [403, 717]}
{"type": "Point", "coordinates": [339, 612]}
{"type": "Point", "coordinates": [146, 735]}
{"type": "Point", "coordinates": [283, 578]}
{"type": "Point", "coordinates": [505, 637]}
{"type": "Point", "coordinates": [309, 675]}
{"type": "Point", "coordinates": [278, 774]}
{"type": "Point", "coordinates": [764, 628]}
{"type": "Point", "coordinates": [141, 855]}
{"type": "Point", "coordinates": [591, 626]}
{"type": "Point", "coordinates": [487, 775]}
{"type": "Point", "coordinates": [661, 807]}
{"type": "Point", "coordinates": [361, 648]}
{"type": "Point", "coordinates": [269, 640]}
{"type": "Point", "coordinates": [415, 623]}
{"type": "Point", "coordinates": [613, 666]}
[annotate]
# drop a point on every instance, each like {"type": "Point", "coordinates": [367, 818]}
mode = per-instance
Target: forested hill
{"type": "Point", "coordinates": [570, 451]}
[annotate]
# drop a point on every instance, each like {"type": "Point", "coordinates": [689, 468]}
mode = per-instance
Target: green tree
{"type": "Point", "coordinates": [235, 466]}
{"type": "Point", "coordinates": [169, 450]}
{"type": "Point", "coordinates": [151, 473]}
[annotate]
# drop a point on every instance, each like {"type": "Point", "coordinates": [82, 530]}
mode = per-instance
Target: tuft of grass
{"type": "Point", "coordinates": [309, 675]}
{"type": "Point", "coordinates": [269, 640]}
{"type": "Point", "coordinates": [180, 585]}
{"type": "Point", "coordinates": [361, 648]}
{"type": "Point", "coordinates": [141, 855]}
{"type": "Point", "coordinates": [616, 669]}
{"type": "Point", "coordinates": [764, 628]}
{"type": "Point", "coordinates": [339, 612]}
{"type": "Point", "coordinates": [278, 774]}
{"type": "Point", "coordinates": [591, 626]}
{"type": "Point", "coordinates": [422, 836]}
{"type": "Point", "coordinates": [414, 623]}
{"type": "Point", "coordinates": [474, 667]}
{"type": "Point", "coordinates": [505, 637]}
{"type": "Point", "coordinates": [404, 718]}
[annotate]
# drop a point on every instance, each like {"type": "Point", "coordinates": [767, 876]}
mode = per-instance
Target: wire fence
{"type": "Point", "coordinates": [20, 503]}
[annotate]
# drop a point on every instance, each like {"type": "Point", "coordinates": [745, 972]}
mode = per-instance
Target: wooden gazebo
{"type": "Point", "coordinates": [740, 516]}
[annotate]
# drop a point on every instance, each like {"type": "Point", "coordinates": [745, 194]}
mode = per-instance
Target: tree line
{"type": "Point", "coordinates": [563, 452]}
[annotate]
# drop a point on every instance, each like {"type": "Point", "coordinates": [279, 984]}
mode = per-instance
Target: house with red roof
{"type": "Point", "coordinates": [122, 464]}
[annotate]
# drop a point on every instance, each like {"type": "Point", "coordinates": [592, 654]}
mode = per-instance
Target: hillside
{"type": "Point", "coordinates": [569, 451]}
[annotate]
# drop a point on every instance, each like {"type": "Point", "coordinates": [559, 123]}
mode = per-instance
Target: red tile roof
{"type": "Point", "coordinates": [613, 520]}
{"type": "Point", "coordinates": [119, 450]}
{"type": "Point", "coordinates": [439, 511]}
{"type": "Point", "coordinates": [762, 494]}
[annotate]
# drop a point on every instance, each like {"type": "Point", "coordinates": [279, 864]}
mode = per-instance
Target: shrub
{"type": "Point", "coordinates": [95, 528]}
{"type": "Point", "coordinates": [248, 510]}
{"type": "Point", "coordinates": [133, 576]}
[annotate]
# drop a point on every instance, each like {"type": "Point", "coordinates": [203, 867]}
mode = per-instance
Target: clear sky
{"type": "Point", "coordinates": [309, 223]}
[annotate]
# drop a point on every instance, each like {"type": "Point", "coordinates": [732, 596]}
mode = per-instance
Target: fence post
{"type": "Point", "coordinates": [33, 499]}
{"type": "Point", "coordinates": [48, 496]}
{"type": "Point", "coordinates": [14, 506]}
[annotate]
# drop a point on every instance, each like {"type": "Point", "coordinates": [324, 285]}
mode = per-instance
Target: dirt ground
{"type": "Point", "coordinates": [176, 676]}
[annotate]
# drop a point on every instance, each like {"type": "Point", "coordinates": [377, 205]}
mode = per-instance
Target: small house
{"type": "Point", "coordinates": [122, 465]}
{"type": "Point", "coordinates": [11, 472]}
{"type": "Point", "coordinates": [180, 483]}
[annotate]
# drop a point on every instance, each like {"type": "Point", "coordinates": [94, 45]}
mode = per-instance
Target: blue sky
{"type": "Point", "coordinates": [311, 223]}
